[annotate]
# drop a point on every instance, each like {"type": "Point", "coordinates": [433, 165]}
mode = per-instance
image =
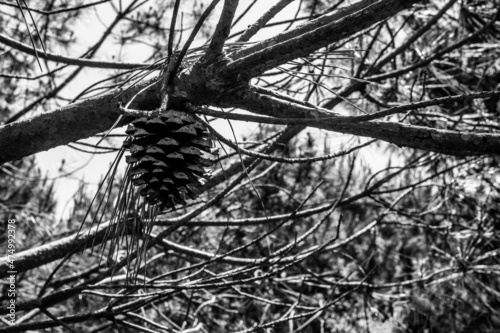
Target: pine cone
{"type": "Point", "coordinates": [169, 154]}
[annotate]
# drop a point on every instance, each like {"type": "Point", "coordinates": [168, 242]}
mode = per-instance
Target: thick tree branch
{"type": "Point", "coordinates": [49, 323]}
{"type": "Point", "coordinates": [50, 252]}
{"type": "Point", "coordinates": [222, 30]}
{"type": "Point", "coordinates": [87, 118]}
{"type": "Point", "coordinates": [254, 28]}
{"type": "Point", "coordinates": [419, 137]}
{"type": "Point", "coordinates": [299, 30]}
{"type": "Point", "coordinates": [73, 122]}
{"type": "Point", "coordinates": [300, 115]}
{"type": "Point", "coordinates": [275, 55]}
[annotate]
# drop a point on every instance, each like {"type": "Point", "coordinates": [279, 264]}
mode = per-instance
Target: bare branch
{"type": "Point", "coordinates": [66, 60]}
{"type": "Point", "coordinates": [170, 46]}
{"type": "Point", "coordinates": [50, 252]}
{"type": "Point", "coordinates": [419, 137]}
{"type": "Point", "coordinates": [71, 123]}
{"type": "Point", "coordinates": [222, 30]}
{"type": "Point", "coordinates": [194, 32]}
{"type": "Point", "coordinates": [305, 116]}
{"type": "Point", "coordinates": [412, 38]}
{"type": "Point", "coordinates": [435, 55]}
{"type": "Point", "coordinates": [56, 11]}
{"type": "Point", "coordinates": [254, 28]}
{"type": "Point", "coordinates": [236, 167]}
{"type": "Point", "coordinates": [302, 45]}
{"type": "Point", "coordinates": [299, 30]}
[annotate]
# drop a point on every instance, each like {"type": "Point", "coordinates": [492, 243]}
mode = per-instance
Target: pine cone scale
{"type": "Point", "coordinates": [169, 156]}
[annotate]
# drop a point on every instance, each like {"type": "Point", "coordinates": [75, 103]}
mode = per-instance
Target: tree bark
{"type": "Point", "coordinates": [73, 122]}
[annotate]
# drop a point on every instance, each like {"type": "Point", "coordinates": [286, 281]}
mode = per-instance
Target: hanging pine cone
{"type": "Point", "coordinates": [169, 156]}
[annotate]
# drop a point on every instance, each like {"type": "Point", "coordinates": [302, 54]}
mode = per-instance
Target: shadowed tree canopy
{"type": "Point", "coordinates": [364, 196]}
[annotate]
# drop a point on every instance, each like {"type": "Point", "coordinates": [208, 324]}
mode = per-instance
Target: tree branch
{"type": "Point", "coordinates": [418, 137]}
{"type": "Point", "coordinates": [436, 54]}
{"type": "Point", "coordinates": [302, 116]}
{"type": "Point", "coordinates": [222, 30]}
{"type": "Point", "coordinates": [310, 41]}
{"type": "Point", "coordinates": [55, 11]}
{"type": "Point", "coordinates": [49, 323]}
{"type": "Point", "coordinates": [254, 28]}
{"type": "Point", "coordinates": [66, 60]}
{"type": "Point", "coordinates": [299, 30]}
{"type": "Point", "coordinates": [419, 33]}
{"type": "Point", "coordinates": [237, 166]}
{"type": "Point", "coordinates": [50, 252]}
{"type": "Point", "coordinates": [73, 122]}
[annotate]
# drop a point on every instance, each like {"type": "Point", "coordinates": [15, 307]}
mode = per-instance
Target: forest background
{"type": "Point", "coordinates": [365, 197]}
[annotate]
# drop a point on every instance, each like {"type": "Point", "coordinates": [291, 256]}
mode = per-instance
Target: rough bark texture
{"type": "Point", "coordinates": [425, 138]}
{"type": "Point", "coordinates": [300, 29]}
{"type": "Point", "coordinates": [330, 32]}
{"type": "Point", "coordinates": [71, 123]}
{"type": "Point", "coordinates": [50, 252]}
